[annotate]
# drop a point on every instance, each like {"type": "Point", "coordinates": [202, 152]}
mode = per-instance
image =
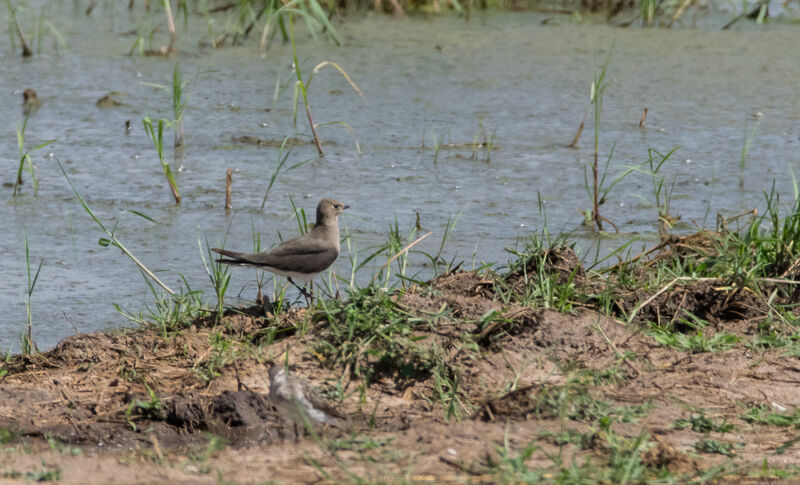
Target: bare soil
{"type": "Point", "coordinates": [137, 406]}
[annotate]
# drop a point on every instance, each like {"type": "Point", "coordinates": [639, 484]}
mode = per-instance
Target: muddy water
{"type": "Point", "coordinates": [422, 79]}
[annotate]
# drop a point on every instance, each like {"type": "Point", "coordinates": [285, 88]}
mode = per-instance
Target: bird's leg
{"type": "Point", "coordinates": [302, 290]}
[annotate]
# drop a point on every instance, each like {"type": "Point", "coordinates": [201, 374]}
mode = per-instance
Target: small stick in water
{"type": "Point", "coordinates": [574, 143]}
{"type": "Point", "coordinates": [644, 115]}
{"type": "Point", "coordinates": [228, 180]}
{"type": "Point", "coordinates": [26, 51]}
{"type": "Point", "coordinates": [314, 132]}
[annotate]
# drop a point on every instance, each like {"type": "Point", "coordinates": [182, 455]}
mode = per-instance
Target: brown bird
{"type": "Point", "coordinates": [302, 258]}
{"type": "Point", "coordinates": [297, 400]}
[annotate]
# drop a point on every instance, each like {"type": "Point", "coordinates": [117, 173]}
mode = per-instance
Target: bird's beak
{"type": "Point", "coordinates": [345, 207]}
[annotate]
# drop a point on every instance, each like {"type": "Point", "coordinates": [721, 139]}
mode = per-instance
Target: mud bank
{"type": "Point", "coordinates": [455, 381]}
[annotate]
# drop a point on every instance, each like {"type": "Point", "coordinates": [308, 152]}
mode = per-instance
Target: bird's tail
{"type": "Point", "coordinates": [236, 258]}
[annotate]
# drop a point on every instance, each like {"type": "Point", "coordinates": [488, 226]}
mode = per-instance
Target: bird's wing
{"type": "Point", "coordinates": [305, 254]}
{"type": "Point", "coordinates": [319, 402]}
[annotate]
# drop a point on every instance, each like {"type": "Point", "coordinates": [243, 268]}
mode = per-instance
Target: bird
{"type": "Point", "coordinates": [298, 401]}
{"type": "Point", "coordinates": [301, 258]}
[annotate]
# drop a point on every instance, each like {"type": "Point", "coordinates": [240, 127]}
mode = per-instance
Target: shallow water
{"type": "Point", "coordinates": [421, 78]}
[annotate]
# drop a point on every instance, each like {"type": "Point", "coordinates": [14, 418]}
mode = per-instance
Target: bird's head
{"type": "Point", "coordinates": [277, 374]}
{"type": "Point", "coordinates": [328, 211]}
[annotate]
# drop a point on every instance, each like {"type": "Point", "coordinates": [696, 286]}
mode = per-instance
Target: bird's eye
{"type": "Point", "coordinates": [335, 206]}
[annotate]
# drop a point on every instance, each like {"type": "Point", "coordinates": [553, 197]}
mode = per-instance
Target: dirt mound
{"type": "Point", "coordinates": [106, 389]}
{"type": "Point", "coordinates": [707, 301]}
{"type": "Point", "coordinates": [516, 404]}
{"type": "Point", "coordinates": [242, 417]}
{"type": "Point", "coordinates": [560, 262]}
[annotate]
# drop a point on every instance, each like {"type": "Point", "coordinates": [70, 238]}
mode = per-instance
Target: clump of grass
{"type": "Point", "coordinates": [311, 10]}
{"type": "Point", "coordinates": [511, 466]}
{"type": "Point", "coordinates": [446, 387]}
{"type": "Point", "coordinates": [773, 339]}
{"type": "Point", "coordinates": [173, 35]}
{"type": "Point", "coordinates": [301, 88]}
{"type": "Point", "coordinates": [44, 474]}
{"type": "Point", "coordinates": [201, 456]}
{"type": "Point", "coordinates": [145, 32]}
{"type": "Point", "coordinates": [283, 156]}
{"type": "Point", "coordinates": [61, 447]}
{"type": "Point", "coordinates": [702, 424]}
{"type": "Point", "coordinates": [222, 353]}
{"type": "Point", "coordinates": [218, 273]}
{"type": "Point", "coordinates": [573, 401]}
{"type": "Point", "coordinates": [47, 25]}
{"type": "Point", "coordinates": [533, 278]}
{"type": "Point", "coordinates": [368, 333]}
{"type": "Point", "coordinates": [694, 344]}
{"type": "Point", "coordinates": [152, 409]}
{"type": "Point", "coordinates": [438, 141]}
{"type": "Point", "coordinates": [111, 239]}
{"type": "Point", "coordinates": [25, 158]}
{"type": "Point", "coordinates": [598, 88]}
{"type": "Point", "coordinates": [621, 462]}
{"type": "Point", "coordinates": [746, 142]}
{"type": "Point", "coordinates": [8, 435]}
{"type": "Point", "coordinates": [178, 105]}
{"type": "Point", "coordinates": [662, 194]}
{"type": "Point", "coordinates": [28, 345]}
{"type": "Point", "coordinates": [171, 313]}
{"type": "Point", "coordinates": [763, 414]}
{"type": "Point", "coordinates": [157, 136]}
{"type": "Point", "coordinates": [708, 445]}
{"type": "Point", "coordinates": [647, 9]}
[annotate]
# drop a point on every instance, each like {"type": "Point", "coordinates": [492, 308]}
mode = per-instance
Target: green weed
{"type": "Point", "coordinates": [573, 401]}
{"type": "Point", "coordinates": [222, 353]}
{"type": "Point", "coordinates": [25, 159]}
{"type": "Point", "coordinates": [763, 414]}
{"type": "Point", "coordinates": [746, 142]}
{"type": "Point", "coordinates": [7, 435]}
{"type": "Point", "coordinates": [368, 333]}
{"type": "Point", "coordinates": [44, 474]}
{"type": "Point", "coordinates": [301, 88]}
{"type": "Point", "coordinates": [708, 445]}
{"type": "Point", "coordinates": [157, 137]}
{"type": "Point", "coordinates": [112, 240]}
{"type": "Point", "coordinates": [702, 424]}
{"type": "Point", "coordinates": [28, 345]}
{"type": "Point", "coordinates": [62, 448]}
{"type": "Point", "coordinates": [200, 456]}
{"type": "Point", "coordinates": [283, 156]}
{"type": "Point", "coordinates": [597, 189]}
{"type": "Point", "coordinates": [311, 11]}
{"type": "Point", "coordinates": [218, 273]}
{"type": "Point", "coordinates": [535, 278]}
{"type": "Point", "coordinates": [694, 344]}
